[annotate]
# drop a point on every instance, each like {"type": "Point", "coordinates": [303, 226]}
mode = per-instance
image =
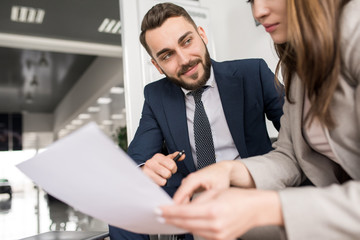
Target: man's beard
{"type": "Point", "coordinates": [201, 81]}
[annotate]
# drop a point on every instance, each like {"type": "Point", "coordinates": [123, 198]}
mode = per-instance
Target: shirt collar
{"type": "Point", "coordinates": [210, 82]}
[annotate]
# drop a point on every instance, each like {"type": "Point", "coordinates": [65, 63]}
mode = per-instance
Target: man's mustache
{"type": "Point", "coordinates": [186, 67]}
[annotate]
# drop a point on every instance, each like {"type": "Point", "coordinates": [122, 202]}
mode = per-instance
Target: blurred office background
{"type": "Point", "coordinates": [66, 63]}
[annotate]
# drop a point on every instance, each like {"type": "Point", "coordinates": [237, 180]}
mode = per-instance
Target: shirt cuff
{"type": "Point", "coordinates": [141, 164]}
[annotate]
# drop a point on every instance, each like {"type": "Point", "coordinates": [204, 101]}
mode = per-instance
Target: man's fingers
{"type": "Point", "coordinates": [182, 158]}
{"type": "Point", "coordinates": [169, 164]}
{"type": "Point", "coordinates": [172, 164]}
{"type": "Point", "coordinates": [163, 172]}
{"type": "Point", "coordinates": [161, 165]}
{"type": "Point", "coordinates": [155, 177]}
{"type": "Point", "coordinates": [173, 156]}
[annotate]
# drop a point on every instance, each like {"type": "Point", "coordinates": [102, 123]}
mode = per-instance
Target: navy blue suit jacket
{"type": "Point", "coordinates": [247, 94]}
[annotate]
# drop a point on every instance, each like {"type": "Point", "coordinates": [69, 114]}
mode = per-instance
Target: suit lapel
{"type": "Point", "coordinates": [175, 113]}
{"type": "Point", "coordinates": [231, 92]}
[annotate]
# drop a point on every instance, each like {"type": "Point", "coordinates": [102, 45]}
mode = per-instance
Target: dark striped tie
{"type": "Point", "coordinates": [204, 143]}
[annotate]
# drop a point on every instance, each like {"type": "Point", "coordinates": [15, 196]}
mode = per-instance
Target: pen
{"type": "Point", "coordinates": [179, 155]}
{"type": "Point", "coordinates": [175, 160]}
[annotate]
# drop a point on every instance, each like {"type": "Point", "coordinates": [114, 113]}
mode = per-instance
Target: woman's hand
{"type": "Point", "coordinates": [225, 214]}
{"type": "Point", "coordinates": [215, 176]}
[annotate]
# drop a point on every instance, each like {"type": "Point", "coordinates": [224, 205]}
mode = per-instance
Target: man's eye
{"type": "Point", "coordinates": [166, 56]}
{"type": "Point", "coordinates": [188, 41]}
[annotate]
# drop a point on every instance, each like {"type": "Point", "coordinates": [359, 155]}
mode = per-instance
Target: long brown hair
{"type": "Point", "coordinates": [313, 52]}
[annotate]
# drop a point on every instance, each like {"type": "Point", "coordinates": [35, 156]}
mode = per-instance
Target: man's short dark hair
{"type": "Point", "coordinates": [157, 15]}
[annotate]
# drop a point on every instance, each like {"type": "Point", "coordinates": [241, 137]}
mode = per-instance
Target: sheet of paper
{"type": "Point", "coordinates": [90, 173]}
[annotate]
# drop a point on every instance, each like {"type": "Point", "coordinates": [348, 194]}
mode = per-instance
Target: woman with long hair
{"type": "Point", "coordinates": [317, 42]}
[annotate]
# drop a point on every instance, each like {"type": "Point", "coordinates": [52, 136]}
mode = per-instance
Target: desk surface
{"type": "Point", "coordinates": [69, 235]}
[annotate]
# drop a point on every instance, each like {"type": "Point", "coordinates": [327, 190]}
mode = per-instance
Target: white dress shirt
{"type": "Point", "coordinates": [225, 148]}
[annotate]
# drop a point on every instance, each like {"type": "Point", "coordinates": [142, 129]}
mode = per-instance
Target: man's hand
{"type": "Point", "coordinates": [160, 167]}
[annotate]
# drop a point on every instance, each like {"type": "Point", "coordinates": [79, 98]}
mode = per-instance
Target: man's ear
{"type": "Point", "coordinates": [157, 66]}
{"type": "Point", "coordinates": [202, 34]}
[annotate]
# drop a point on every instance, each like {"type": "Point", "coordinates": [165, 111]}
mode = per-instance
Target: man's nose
{"type": "Point", "coordinates": [183, 57]}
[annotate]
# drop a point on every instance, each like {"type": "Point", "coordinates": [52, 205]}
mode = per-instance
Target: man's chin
{"type": "Point", "coordinates": [189, 82]}
{"type": "Point", "coordinates": [192, 86]}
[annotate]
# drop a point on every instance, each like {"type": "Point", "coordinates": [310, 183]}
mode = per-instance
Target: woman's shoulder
{"type": "Point", "coordinates": [350, 18]}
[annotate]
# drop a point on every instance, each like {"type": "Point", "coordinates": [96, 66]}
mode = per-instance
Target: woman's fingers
{"type": "Point", "coordinates": [205, 196]}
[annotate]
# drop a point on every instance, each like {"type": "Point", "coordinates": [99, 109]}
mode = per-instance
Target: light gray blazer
{"type": "Point", "coordinates": [331, 210]}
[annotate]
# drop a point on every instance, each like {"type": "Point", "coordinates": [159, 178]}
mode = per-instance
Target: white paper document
{"type": "Point", "coordinates": [92, 174]}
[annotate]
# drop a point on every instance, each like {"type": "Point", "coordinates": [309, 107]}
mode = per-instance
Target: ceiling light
{"type": "Point", "coordinates": [70, 127]}
{"type": "Point", "coordinates": [117, 116]}
{"type": "Point", "coordinates": [40, 16]}
{"type": "Point", "coordinates": [31, 15]}
{"type": "Point", "coordinates": [84, 116]}
{"type": "Point", "coordinates": [27, 14]}
{"type": "Point", "coordinates": [107, 122]}
{"type": "Point", "coordinates": [110, 26]}
{"type": "Point", "coordinates": [116, 28]}
{"type": "Point", "coordinates": [117, 90]}
{"type": "Point", "coordinates": [63, 132]}
{"type": "Point", "coordinates": [77, 122]}
{"type": "Point", "coordinates": [104, 23]}
{"type": "Point", "coordinates": [104, 100]}
{"type": "Point", "coordinates": [93, 109]}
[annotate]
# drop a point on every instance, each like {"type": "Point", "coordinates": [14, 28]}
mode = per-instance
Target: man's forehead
{"type": "Point", "coordinates": [175, 24]}
{"type": "Point", "coordinates": [171, 30]}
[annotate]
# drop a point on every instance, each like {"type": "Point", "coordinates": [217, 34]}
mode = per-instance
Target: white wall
{"type": "Point", "coordinates": [236, 36]}
{"type": "Point", "coordinates": [132, 64]}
